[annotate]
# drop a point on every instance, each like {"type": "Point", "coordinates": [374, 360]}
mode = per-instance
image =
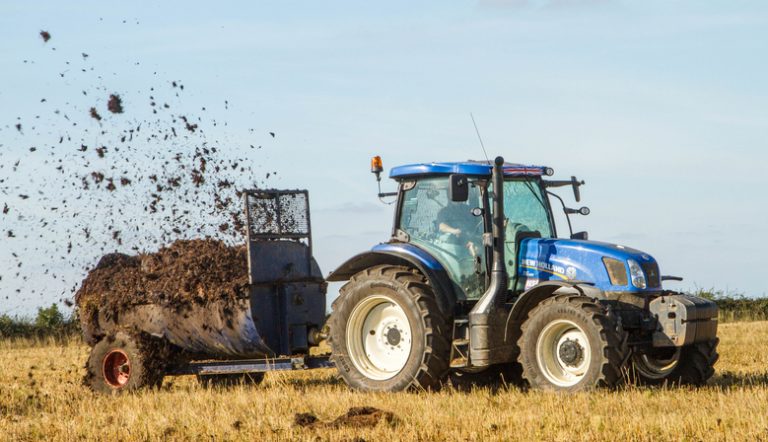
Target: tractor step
{"type": "Point", "coordinates": [460, 344]}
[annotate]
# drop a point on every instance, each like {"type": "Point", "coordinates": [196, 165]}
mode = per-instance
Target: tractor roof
{"type": "Point", "coordinates": [473, 168]}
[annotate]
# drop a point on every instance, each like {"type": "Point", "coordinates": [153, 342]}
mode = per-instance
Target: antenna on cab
{"type": "Point", "coordinates": [479, 138]}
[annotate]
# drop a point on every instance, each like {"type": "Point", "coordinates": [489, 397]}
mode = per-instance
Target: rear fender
{"type": "Point", "coordinates": [405, 255]}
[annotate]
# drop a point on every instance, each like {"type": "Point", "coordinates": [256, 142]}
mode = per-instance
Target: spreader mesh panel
{"type": "Point", "coordinates": [278, 214]}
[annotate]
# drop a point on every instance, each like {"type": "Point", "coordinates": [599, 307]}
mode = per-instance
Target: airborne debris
{"type": "Point", "coordinates": [141, 168]}
{"type": "Point", "coordinates": [45, 35]}
{"type": "Point", "coordinates": [115, 104]}
{"type": "Point", "coordinates": [190, 127]}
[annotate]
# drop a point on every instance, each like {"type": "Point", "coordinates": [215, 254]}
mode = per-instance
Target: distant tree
{"type": "Point", "coordinates": [49, 318]}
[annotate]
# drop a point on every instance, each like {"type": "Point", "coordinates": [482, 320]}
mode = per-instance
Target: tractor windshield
{"type": "Point", "coordinates": [526, 209]}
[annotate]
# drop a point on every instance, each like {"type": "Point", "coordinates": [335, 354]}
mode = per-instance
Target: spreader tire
{"type": "Point", "coordinates": [387, 332]}
{"type": "Point", "coordinates": [120, 363]}
{"type": "Point", "coordinates": [230, 380]}
{"type": "Point", "coordinates": [689, 365]}
{"type": "Point", "coordinates": [569, 343]}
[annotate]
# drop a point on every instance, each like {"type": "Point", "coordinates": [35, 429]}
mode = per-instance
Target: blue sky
{"type": "Point", "coordinates": [661, 106]}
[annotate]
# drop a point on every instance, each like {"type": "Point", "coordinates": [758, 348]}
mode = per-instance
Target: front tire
{"type": "Point", "coordinates": [569, 343]}
{"type": "Point", "coordinates": [387, 332]}
{"type": "Point", "coordinates": [689, 365]}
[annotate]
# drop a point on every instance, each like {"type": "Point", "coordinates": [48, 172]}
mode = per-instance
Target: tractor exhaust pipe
{"type": "Point", "coordinates": [481, 314]}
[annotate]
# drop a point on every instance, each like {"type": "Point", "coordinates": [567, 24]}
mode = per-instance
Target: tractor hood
{"type": "Point", "coordinates": [545, 259]}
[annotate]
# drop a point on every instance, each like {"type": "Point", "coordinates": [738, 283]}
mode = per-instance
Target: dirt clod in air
{"type": "Point", "coordinates": [115, 104]}
{"type": "Point", "coordinates": [94, 114]}
{"type": "Point", "coordinates": [355, 417]}
{"type": "Point", "coordinates": [190, 127]}
{"type": "Point", "coordinates": [45, 36]}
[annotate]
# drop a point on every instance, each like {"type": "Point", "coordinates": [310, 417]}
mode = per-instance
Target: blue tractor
{"type": "Point", "coordinates": [474, 281]}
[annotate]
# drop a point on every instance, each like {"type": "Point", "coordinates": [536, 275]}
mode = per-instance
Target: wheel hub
{"type": "Point", "coordinates": [116, 368]}
{"type": "Point", "coordinates": [571, 353]}
{"type": "Point", "coordinates": [563, 353]}
{"type": "Point", "coordinates": [393, 336]}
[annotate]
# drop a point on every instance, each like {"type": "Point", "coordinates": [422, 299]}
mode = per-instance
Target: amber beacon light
{"type": "Point", "coordinates": [377, 166]}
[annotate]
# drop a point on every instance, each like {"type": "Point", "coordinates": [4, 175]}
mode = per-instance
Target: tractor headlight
{"type": "Point", "coordinates": [617, 271]}
{"type": "Point", "coordinates": [636, 273]}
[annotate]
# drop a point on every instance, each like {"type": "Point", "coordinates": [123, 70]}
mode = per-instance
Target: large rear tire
{"type": "Point", "coordinates": [689, 365]}
{"type": "Point", "coordinates": [121, 363]}
{"type": "Point", "coordinates": [569, 343]}
{"type": "Point", "coordinates": [387, 332]}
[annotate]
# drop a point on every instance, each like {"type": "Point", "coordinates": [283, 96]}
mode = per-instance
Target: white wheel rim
{"type": "Point", "coordinates": [378, 337]}
{"type": "Point", "coordinates": [654, 368]}
{"type": "Point", "coordinates": [563, 353]}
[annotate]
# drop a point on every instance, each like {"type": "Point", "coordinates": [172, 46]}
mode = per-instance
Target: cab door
{"type": "Point", "coordinates": [448, 230]}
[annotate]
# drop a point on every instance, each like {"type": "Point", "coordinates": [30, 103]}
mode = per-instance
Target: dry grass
{"type": "Point", "coordinates": [41, 397]}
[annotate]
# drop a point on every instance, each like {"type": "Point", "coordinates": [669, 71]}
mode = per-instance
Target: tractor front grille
{"type": "Point", "coordinates": [652, 277]}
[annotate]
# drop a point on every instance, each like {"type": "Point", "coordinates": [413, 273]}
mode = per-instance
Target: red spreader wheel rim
{"type": "Point", "coordinates": [117, 368]}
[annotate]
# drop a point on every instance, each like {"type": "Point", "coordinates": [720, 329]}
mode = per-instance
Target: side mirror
{"type": "Point", "coordinates": [580, 235]}
{"type": "Point", "coordinates": [576, 193]}
{"type": "Point", "coordinates": [581, 211]}
{"type": "Point", "coordinates": [573, 182]}
{"type": "Point", "coordinates": [459, 188]}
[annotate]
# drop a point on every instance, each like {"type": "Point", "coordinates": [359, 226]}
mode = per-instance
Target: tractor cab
{"type": "Point", "coordinates": [455, 231]}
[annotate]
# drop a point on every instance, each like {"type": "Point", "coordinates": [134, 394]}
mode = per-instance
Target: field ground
{"type": "Point", "coordinates": [42, 398]}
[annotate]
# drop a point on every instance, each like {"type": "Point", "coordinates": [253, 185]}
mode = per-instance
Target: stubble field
{"type": "Point", "coordinates": [42, 398]}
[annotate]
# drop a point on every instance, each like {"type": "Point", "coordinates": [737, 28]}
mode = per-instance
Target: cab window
{"type": "Point", "coordinates": [447, 230]}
